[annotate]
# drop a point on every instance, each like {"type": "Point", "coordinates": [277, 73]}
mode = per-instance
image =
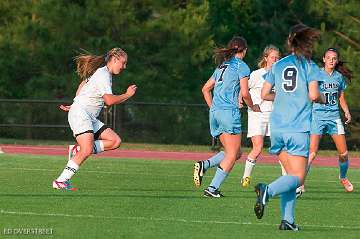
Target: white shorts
{"type": "Point", "coordinates": [81, 121]}
{"type": "Point", "coordinates": [258, 124]}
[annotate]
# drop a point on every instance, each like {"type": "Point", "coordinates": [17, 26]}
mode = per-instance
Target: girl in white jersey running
{"type": "Point", "coordinates": [258, 122]}
{"type": "Point", "coordinates": [94, 90]}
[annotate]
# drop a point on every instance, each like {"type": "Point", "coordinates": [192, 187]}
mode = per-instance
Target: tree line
{"type": "Point", "coordinates": [170, 43]}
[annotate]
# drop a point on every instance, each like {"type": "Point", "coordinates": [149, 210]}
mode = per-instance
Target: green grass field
{"type": "Point", "coordinates": [134, 198]}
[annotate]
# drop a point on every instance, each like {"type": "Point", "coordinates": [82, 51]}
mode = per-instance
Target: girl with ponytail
{"type": "Point", "coordinates": [295, 79]}
{"type": "Point", "coordinates": [326, 117]}
{"type": "Point", "coordinates": [95, 90]}
{"type": "Point", "coordinates": [223, 93]}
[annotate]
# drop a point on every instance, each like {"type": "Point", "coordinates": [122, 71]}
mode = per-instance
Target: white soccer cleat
{"type": "Point", "coordinates": [347, 185]}
{"type": "Point", "coordinates": [66, 185]}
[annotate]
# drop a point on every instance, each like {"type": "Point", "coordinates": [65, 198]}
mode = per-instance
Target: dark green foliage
{"type": "Point", "coordinates": [170, 43]}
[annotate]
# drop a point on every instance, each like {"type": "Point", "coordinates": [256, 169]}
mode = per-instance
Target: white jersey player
{"type": "Point", "coordinates": [92, 136]}
{"type": "Point", "coordinates": [258, 122]}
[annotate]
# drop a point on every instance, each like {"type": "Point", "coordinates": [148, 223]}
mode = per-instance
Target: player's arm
{"type": "Point", "coordinates": [79, 87]}
{"type": "Point", "coordinates": [206, 90]}
{"type": "Point", "coordinates": [314, 93]}
{"type": "Point", "coordinates": [66, 108]}
{"type": "Point", "coordinates": [344, 107]}
{"type": "Point", "coordinates": [111, 99]}
{"type": "Point", "coordinates": [266, 92]}
{"type": "Point", "coordinates": [245, 94]}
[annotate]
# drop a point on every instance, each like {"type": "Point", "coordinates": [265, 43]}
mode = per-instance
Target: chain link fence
{"type": "Point", "coordinates": [136, 122]}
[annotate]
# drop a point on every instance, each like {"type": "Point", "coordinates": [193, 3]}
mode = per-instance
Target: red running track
{"type": "Point", "coordinates": [146, 154]}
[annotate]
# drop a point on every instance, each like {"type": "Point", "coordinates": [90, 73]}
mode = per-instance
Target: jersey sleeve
{"type": "Point", "coordinates": [252, 80]}
{"type": "Point", "coordinates": [342, 85]}
{"type": "Point", "coordinates": [244, 71]}
{"type": "Point", "coordinates": [314, 72]}
{"type": "Point", "coordinates": [215, 74]}
{"type": "Point", "coordinates": [104, 85]}
{"type": "Point", "coordinates": [270, 76]}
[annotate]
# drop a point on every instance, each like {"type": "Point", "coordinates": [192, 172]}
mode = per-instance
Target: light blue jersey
{"type": "Point", "coordinates": [330, 86]}
{"type": "Point", "coordinates": [292, 107]}
{"type": "Point", "coordinates": [227, 83]}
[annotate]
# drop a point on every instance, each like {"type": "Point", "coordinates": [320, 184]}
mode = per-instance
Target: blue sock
{"type": "Point", "coordinates": [287, 204]}
{"type": "Point", "coordinates": [218, 179]}
{"type": "Point", "coordinates": [214, 160]}
{"type": "Point", "coordinates": [343, 168]}
{"type": "Point", "coordinates": [283, 184]}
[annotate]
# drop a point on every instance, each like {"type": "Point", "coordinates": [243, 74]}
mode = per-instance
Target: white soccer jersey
{"type": "Point", "coordinates": [90, 95]}
{"type": "Point", "coordinates": [256, 82]}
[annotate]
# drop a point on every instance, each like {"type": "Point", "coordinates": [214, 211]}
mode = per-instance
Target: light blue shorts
{"type": "Point", "coordinates": [296, 144]}
{"type": "Point", "coordinates": [330, 127]}
{"type": "Point", "coordinates": [225, 121]}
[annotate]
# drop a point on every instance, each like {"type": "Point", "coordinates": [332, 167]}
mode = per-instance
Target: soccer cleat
{"type": "Point", "coordinates": [347, 185]}
{"type": "Point", "coordinates": [63, 185]}
{"type": "Point", "coordinates": [198, 173]}
{"type": "Point", "coordinates": [285, 225]}
{"type": "Point", "coordinates": [72, 150]}
{"type": "Point", "coordinates": [245, 182]}
{"type": "Point", "coordinates": [214, 194]}
{"type": "Point", "coordinates": [262, 197]}
{"type": "Point", "coordinates": [300, 190]}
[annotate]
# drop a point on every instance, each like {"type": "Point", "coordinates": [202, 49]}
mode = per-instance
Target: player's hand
{"type": "Point", "coordinates": [65, 108]}
{"type": "Point", "coordinates": [256, 108]}
{"type": "Point", "coordinates": [348, 117]}
{"type": "Point", "coordinates": [241, 102]}
{"type": "Point", "coordinates": [321, 100]}
{"type": "Point", "coordinates": [131, 90]}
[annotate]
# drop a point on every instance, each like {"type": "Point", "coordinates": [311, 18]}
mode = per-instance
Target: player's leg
{"type": "Point", "coordinates": [295, 162]}
{"type": "Point", "coordinates": [257, 142]}
{"type": "Point", "coordinates": [318, 128]}
{"type": "Point", "coordinates": [258, 127]}
{"type": "Point", "coordinates": [104, 139]}
{"type": "Point", "coordinates": [261, 189]}
{"type": "Point", "coordinates": [340, 142]}
{"type": "Point", "coordinates": [86, 142]}
{"type": "Point", "coordinates": [231, 143]}
{"type": "Point", "coordinates": [293, 158]}
{"type": "Point", "coordinates": [107, 140]}
{"type": "Point", "coordinates": [81, 123]}
{"type": "Point", "coordinates": [314, 147]}
{"type": "Point", "coordinates": [201, 166]}
{"type": "Point", "coordinates": [229, 129]}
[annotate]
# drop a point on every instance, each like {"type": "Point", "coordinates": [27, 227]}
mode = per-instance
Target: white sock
{"type": "Point", "coordinates": [69, 171]}
{"type": "Point", "coordinates": [249, 165]}
{"type": "Point", "coordinates": [283, 171]}
{"type": "Point", "coordinates": [98, 147]}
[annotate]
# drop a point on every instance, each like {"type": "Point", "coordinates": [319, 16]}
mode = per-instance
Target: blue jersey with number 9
{"type": "Point", "coordinates": [292, 107]}
{"type": "Point", "coordinates": [227, 83]}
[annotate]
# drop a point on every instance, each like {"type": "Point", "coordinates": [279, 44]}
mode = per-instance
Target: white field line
{"type": "Point", "coordinates": [149, 174]}
{"type": "Point", "coordinates": [174, 220]}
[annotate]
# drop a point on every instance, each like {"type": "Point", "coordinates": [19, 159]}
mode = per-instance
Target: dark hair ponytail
{"type": "Point", "coordinates": [344, 70]}
{"type": "Point", "coordinates": [301, 40]}
{"type": "Point", "coordinates": [236, 45]}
